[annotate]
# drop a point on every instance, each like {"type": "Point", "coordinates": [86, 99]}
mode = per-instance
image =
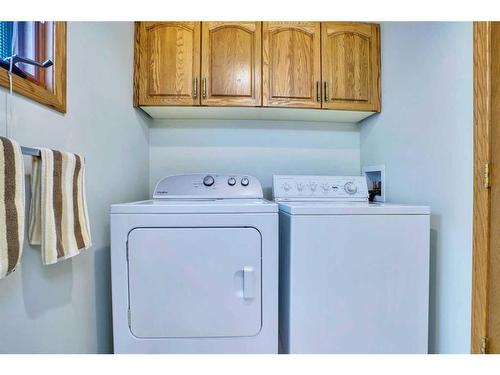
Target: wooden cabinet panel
{"type": "Point", "coordinates": [291, 65]}
{"type": "Point", "coordinates": [329, 65]}
{"type": "Point", "coordinates": [231, 63]}
{"type": "Point", "coordinates": [169, 63]}
{"type": "Point", "coordinates": [351, 66]}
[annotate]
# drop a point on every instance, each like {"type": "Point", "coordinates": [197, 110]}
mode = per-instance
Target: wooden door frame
{"type": "Point", "coordinates": [481, 195]}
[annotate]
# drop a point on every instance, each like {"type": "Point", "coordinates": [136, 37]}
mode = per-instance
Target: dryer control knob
{"type": "Point", "coordinates": [231, 181]}
{"type": "Point", "coordinates": [245, 181]}
{"type": "Point", "coordinates": [208, 181]}
{"type": "Point", "coordinates": [350, 188]}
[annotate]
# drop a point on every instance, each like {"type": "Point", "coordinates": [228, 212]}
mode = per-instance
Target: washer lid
{"type": "Point", "coordinates": [178, 206]}
{"type": "Point", "coordinates": [350, 208]}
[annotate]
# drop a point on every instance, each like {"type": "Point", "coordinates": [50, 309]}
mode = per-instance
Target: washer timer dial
{"type": "Point", "coordinates": [350, 188]}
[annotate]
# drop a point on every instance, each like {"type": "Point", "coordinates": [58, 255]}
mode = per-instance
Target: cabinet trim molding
{"type": "Point", "coordinates": [255, 113]}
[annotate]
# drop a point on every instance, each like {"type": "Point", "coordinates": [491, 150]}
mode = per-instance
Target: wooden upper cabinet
{"type": "Point", "coordinates": [231, 63]}
{"type": "Point", "coordinates": [323, 65]}
{"type": "Point", "coordinates": [169, 63]}
{"type": "Point", "coordinates": [351, 66]}
{"type": "Point", "coordinates": [291, 64]}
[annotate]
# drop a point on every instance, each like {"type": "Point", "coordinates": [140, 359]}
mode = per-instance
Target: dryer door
{"type": "Point", "coordinates": [194, 282]}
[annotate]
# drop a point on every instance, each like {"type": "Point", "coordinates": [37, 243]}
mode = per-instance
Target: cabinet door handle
{"type": "Point", "coordinates": [325, 84]}
{"type": "Point", "coordinates": [318, 94]}
{"type": "Point", "coordinates": [195, 88]}
{"type": "Point", "coordinates": [204, 88]}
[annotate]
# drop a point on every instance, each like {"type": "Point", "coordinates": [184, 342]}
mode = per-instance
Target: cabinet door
{"type": "Point", "coordinates": [169, 63]}
{"type": "Point", "coordinates": [231, 63]}
{"type": "Point", "coordinates": [291, 66]}
{"type": "Point", "coordinates": [351, 66]}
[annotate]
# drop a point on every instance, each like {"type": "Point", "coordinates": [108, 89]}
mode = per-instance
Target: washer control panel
{"type": "Point", "coordinates": [338, 188]}
{"type": "Point", "coordinates": [208, 185]}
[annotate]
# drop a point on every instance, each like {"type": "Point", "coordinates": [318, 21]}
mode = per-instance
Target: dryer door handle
{"type": "Point", "coordinates": [248, 282]}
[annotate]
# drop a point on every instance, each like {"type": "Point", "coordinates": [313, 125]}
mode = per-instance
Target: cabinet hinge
{"type": "Point", "coordinates": [487, 175]}
{"type": "Point", "coordinates": [484, 345]}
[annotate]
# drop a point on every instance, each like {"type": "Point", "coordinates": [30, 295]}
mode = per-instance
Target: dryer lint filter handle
{"type": "Point", "coordinates": [320, 188]}
{"type": "Point", "coordinates": [208, 186]}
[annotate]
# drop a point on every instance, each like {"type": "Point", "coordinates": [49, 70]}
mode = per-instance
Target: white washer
{"type": "Point", "coordinates": [354, 276]}
{"type": "Point", "coordinates": [195, 270]}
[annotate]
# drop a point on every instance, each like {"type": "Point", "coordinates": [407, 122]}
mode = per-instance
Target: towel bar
{"type": "Point", "coordinates": [30, 151]}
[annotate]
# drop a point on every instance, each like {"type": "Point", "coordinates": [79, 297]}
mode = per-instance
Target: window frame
{"type": "Point", "coordinates": [37, 90]}
{"type": "Point", "coordinates": [40, 55]}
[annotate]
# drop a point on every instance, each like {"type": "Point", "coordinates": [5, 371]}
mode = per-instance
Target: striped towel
{"type": "Point", "coordinates": [11, 205]}
{"type": "Point", "coordinates": [58, 214]}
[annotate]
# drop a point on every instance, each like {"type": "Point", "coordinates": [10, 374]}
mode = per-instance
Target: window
{"type": "Point", "coordinates": [36, 41]}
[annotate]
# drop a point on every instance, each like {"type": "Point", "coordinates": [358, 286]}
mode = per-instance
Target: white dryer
{"type": "Point", "coordinates": [195, 270]}
{"type": "Point", "coordinates": [354, 276]}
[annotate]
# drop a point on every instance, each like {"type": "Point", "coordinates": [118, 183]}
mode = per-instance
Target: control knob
{"type": "Point", "coordinates": [208, 181]}
{"type": "Point", "coordinates": [245, 181]}
{"type": "Point", "coordinates": [231, 181]}
{"type": "Point", "coordinates": [350, 188]}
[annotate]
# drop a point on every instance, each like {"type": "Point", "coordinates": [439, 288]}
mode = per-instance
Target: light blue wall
{"type": "Point", "coordinates": [259, 148]}
{"type": "Point", "coordinates": [424, 138]}
{"type": "Point", "coordinates": [66, 307]}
